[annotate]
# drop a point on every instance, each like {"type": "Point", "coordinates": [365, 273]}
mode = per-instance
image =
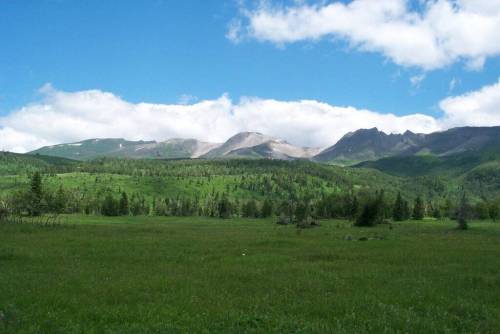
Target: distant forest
{"type": "Point", "coordinates": [293, 191]}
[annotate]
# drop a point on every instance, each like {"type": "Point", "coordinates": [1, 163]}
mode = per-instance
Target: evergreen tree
{"type": "Point", "coordinates": [406, 210]}
{"type": "Point", "coordinates": [59, 205]}
{"type": "Point", "coordinates": [398, 211]}
{"type": "Point", "coordinates": [301, 211]}
{"type": "Point", "coordinates": [353, 208]}
{"type": "Point", "coordinates": [109, 206]}
{"type": "Point", "coordinates": [267, 208]}
{"type": "Point", "coordinates": [418, 209]}
{"type": "Point", "coordinates": [436, 212]}
{"type": "Point", "coordinates": [370, 214]}
{"type": "Point", "coordinates": [124, 206]}
{"type": "Point", "coordinates": [224, 208]}
{"type": "Point", "coordinates": [36, 184]}
{"type": "Point", "coordinates": [462, 213]}
{"type": "Point", "coordinates": [250, 209]}
{"type": "Point", "coordinates": [35, 195]}
{"type": "Point", "coordinates": [494, 211]}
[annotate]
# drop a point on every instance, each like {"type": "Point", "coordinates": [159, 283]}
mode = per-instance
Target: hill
{"type": "Point", "coordinates": [15, 164]}
{"type": "Point", "coordinates": [117, 147]}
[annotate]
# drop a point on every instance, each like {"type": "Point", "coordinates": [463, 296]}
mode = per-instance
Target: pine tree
{"type": "Point", "coordinates": [382, 207]}
{"type": "Point", "coordinates": [109, 206]}
{"type": "Point", "coordinates": [123, 206]}
{"type": "Point", "coordinates": [224, 207]}
{"type": "Point", "coordinates": [36, 184]}
{"type": "Point", "coordinates": [494, 211]}
{"type": "Point", "coordinates": [267, 208]}
{"type": "Point", "coordinates": [35, 195]}
{"type": "Point", "coordinates": [418, 209]}
{"type": "Point", "coordinates": [462, 213]}
{"type": "Point", "coordinates": [250, 209]}
{"type": "Point", "coordinates": [398, 211]}
{"type": "Point", "coordinates": [60, 200]}
{"type": "Point", "coordinates": [370, 214]}
{"type": "Point", "coordinates": [301, 211]}
{"type": "Point", "coordinates": [353, 208]}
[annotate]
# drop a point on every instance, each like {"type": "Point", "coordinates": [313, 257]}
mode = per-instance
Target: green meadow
{"type": "Point", "coordinates": [94, 274]}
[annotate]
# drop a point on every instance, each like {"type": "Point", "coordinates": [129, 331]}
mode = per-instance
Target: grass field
{"type": "Point", "coordinates": [162, 275]}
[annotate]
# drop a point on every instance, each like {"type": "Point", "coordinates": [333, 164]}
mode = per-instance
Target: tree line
{"type": "Point", "coordinates": [363, 208]}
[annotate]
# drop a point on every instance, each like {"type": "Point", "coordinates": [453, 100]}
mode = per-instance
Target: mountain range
{"type": "Point", "coordinates": [353, 148]}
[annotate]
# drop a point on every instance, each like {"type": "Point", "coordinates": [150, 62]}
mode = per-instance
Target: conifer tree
{"type": "Point", "coordinates": [267, 208]}
{"type": "Point", "coordinates": [353, 208]}
{"type": "Point", "coordinates": [124, 206]}
{"type": "Point", "coordinates": [418, 209]}
{"type": "Point", "coordinates": [494, 211]}
{"type": "Point", "coordinates": [398, 211]}
{"type": "Point", "coordinates": [462, 213]}
{"type": "Point", "coordinates": [224, 207]}
{"type": "Point", "coordinates": [35, 195]}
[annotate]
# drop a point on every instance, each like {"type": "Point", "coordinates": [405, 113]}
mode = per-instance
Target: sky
{"type": "Point", "coordinates": [305, 71]}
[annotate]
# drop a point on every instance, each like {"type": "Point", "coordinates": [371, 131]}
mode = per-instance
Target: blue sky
{"type": "Point", "coordinates": [159, 51]}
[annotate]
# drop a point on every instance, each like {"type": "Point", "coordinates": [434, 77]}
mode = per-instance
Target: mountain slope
{"type": "Point", "coordinates": [372, 144]}
{"type": "Point", "coordinates": [449, 164]}
{"type": "Point", "coordinates": [257, 145]}
{"type": "Point", "coordinates": [368, 144]}
{"type": "Point", "coordinates": [110, 147]}
{"type": "Point", "coordinates": [14, 163]}
{"type": "Point", "coordinates": [457, 140]}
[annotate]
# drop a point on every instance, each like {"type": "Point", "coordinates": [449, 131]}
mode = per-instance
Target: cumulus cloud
{"type": "Point", "coordinates": [478, 108]}
{"type": "Point", "coordinates": [438, 34]}
{"type": "Point", "coordinates": [62, 117]}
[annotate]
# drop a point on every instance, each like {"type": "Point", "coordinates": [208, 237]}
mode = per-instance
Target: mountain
{"type": "Point", "coordinates": [244, 145]}
{"type": "Point", "coordinates": [471, 151]}
{"type": "Point", "coordinates": [112, 147]}
{"type": "Point", "coordinates": [368, 144]}
{"type": "Point", "coordinates": [457, 140]}
{"type": "Point", "coordinates": [354, 147]}
{"type": "Point", "coordinates": [257, 145]}
{"type": "Point", "coordinates": [372, 144]}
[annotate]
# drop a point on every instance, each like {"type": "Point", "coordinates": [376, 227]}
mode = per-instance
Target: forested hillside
{"type": "Point", "coordinates": [235, 187]}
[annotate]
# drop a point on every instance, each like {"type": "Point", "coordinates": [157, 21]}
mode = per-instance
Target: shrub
{"type": "Point", "coordinates": [307, 223]}
{"type": "Point", "coordinates": [283, 220]}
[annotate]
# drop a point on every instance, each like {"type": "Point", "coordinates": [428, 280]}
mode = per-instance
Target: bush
{"type": "Point", "coordinates": [307, 223]}
{"type": "Point", "coordinates": [283, 220]}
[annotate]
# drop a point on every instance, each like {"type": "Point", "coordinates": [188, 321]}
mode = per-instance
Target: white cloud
{"type": "Point", "coordinates": [478, 108]}
{"type": "Point", "coordinates": [62, 117]}
{"type": "Point", "coordinates": [443, 32]}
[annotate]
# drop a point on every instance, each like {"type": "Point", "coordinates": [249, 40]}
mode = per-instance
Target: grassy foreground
{"type": "Point", "coordinates": [163, 275]}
